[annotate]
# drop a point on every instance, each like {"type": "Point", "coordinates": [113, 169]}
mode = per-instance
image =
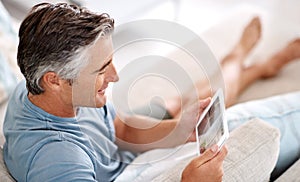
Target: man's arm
{"type": "Point", "coordinates": [142, 133]}
{"type": "Point", "coordinates": [142, 130]}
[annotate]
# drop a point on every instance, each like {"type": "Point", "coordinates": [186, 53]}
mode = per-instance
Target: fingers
{"type": "Point", "coordinates": [206, 156]}
{"type": "Point", "coordinates": [221, 155]}
{"type": "Point", "coordinates": [207, 167]}
{"type": "Point", "coordinates": [197, 105]}
{"type": "Point", "coordinates": [204, 103]}
{"type": "Point", "coordinates": [217, 162]}
{"type": "Point", "coordinates": [192, 137]}
{"type": "Point", "coordinates": [213, 155]}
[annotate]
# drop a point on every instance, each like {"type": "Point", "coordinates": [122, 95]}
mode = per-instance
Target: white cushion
{"type": "Point", "coordinates": [253, 152]}
{"type": "Point", "coordinates": [4, 174]}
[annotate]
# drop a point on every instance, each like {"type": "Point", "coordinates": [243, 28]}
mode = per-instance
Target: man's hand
{"type": "Point", "coordinates": [190, 117]}
{"type": "Point", "coordinates": [208, 167]}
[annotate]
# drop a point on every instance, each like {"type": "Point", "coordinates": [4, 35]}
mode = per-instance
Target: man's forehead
{"type": "Point", "coordinates": [101, 52]}
{"type": "Point", "coordinates": [104, 42]}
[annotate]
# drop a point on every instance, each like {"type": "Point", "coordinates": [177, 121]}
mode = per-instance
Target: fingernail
{"type": "Point", "coordinates": [214, 148]}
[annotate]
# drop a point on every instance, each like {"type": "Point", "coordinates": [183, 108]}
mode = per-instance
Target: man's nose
{"type": "Point", "coordinates": [111, 74]}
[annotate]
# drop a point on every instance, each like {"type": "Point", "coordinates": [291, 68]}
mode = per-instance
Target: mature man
{"type": "Point", "coordinates": [59, 126]}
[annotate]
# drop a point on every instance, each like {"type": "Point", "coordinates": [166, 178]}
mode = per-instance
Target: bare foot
{"type": "Point", "coordinates": [250, 36]}
{"type": "Point", "coordinates": [292, 50]}
{"type": "Point", "coordinates": [289, 53]}
{"type": "Point", "coordinates": [248, 40]}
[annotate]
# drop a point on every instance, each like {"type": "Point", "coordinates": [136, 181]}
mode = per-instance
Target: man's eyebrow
{"type": "Point", "coordinates": [103, 67]}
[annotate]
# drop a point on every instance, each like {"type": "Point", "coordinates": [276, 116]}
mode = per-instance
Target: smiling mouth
{"type": "Point", "coordinates": [101, 92]}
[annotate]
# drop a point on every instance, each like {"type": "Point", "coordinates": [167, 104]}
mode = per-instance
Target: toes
{"type": "Point", "coordinates": [254, 27]}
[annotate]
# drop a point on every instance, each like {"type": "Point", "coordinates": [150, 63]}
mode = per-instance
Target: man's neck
{"type": "Point", "coordinates": [53, 105]}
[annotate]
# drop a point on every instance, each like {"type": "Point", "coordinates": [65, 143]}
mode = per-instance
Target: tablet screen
{"type": "Point", "coordinates": [211, 127]}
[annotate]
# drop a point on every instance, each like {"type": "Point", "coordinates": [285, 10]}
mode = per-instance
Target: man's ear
{"type": "Point", "coordinates": [51, 81]}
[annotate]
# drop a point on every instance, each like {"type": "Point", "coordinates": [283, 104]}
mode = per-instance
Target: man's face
{"type": "Point", "coordinates": [89, 89]}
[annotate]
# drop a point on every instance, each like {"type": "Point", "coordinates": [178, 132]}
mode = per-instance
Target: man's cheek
{"type": "Point", "coordinates": [84, 91]}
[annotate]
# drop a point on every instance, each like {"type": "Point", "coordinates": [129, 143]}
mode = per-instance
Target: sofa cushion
{"type": "Point", "coordinates": [292, 174]}
{"type": "Point", "coordinates": [4, 174]}
{"type": "Point", "coordinates": [253, 152]}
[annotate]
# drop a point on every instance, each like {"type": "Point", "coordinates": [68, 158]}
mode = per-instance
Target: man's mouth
{"type": "Point", "coordinates": [101, 92]}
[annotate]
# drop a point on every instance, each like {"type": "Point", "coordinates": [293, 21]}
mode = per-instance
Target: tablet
{"type": "Point", "coordinates": [212, 127]}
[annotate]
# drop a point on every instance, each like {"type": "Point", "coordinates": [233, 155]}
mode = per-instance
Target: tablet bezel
{"type": "Point", "coordinates": [218, 95]}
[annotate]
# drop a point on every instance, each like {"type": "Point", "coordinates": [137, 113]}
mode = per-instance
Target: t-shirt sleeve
{"type": "Point", "coordinates": [61, 161]}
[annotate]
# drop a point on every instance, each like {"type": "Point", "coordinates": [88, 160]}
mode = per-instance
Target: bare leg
{"type": "Point", "coordinates": [272, 66]}
{"type": "Point", "coordinates": [232, 67]}
{"type": "Point", "coordinates": [237, 77]}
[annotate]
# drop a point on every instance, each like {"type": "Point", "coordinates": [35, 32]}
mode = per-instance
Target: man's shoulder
{"type": "Point", "coordinates": [61, 158]}
{"type": "Point", "coordinates": [17, 96]}
{"type": "Point", "coordinates": [63, 149]}
{"type": "Point", "coordinates": [21, 87]}
{"type": "Point", "coordinates": [51, 155]}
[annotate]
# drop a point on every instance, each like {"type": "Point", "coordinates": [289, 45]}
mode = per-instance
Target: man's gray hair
{"type": "Point", "coordinates": [55, 38]}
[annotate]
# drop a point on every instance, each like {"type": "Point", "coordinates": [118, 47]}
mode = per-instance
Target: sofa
{"type": "Point", "coordinates": [239, 163]}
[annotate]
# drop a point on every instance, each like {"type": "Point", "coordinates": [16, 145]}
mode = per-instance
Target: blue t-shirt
{"type": "Point", "coordinates": [43, 147]}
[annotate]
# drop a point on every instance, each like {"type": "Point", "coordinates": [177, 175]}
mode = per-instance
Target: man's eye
{"type": "Point", "coordinates": [101, 72]}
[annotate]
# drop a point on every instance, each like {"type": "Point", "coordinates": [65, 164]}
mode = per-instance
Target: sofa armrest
{"type": "Point", "coordinates": [253, 152]}
{"type": "Point", "coordinates": [292, 174]}
{"type": "Point", "coordinates": [253, 149]}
